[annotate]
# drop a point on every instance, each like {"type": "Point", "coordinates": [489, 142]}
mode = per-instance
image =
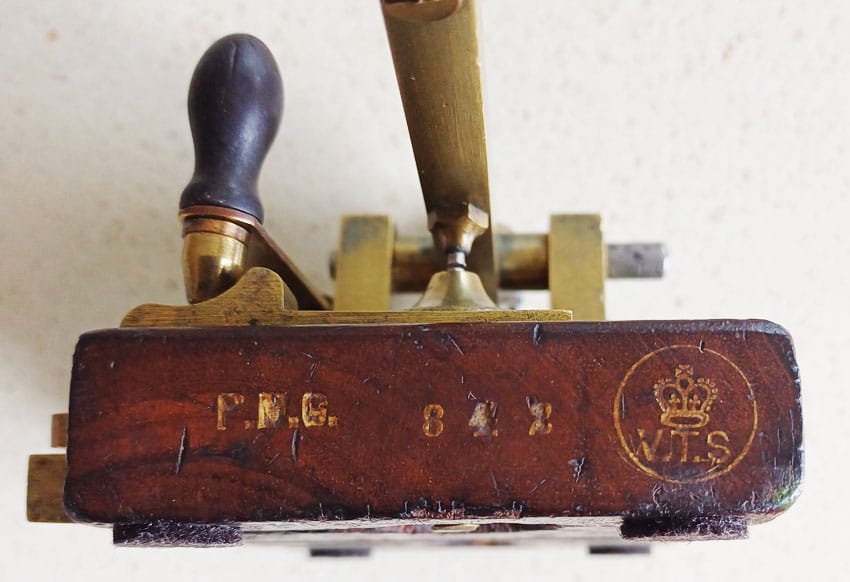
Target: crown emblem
{"type": "Point", "coordinates": [685, 400]}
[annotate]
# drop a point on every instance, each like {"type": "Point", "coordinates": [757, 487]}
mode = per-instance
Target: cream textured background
{"type": "Point", "coordinates": [721, 128]}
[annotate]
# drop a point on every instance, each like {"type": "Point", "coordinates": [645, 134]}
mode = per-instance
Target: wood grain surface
{"type": "Point", "coordinates": [513, 421]}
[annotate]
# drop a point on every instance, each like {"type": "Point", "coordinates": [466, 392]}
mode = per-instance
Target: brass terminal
{"type": "Point", "coordinates": [455, 289]}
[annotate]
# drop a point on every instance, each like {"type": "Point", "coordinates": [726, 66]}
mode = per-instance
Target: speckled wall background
{"type": "Point", "coordinates": [721, 128]}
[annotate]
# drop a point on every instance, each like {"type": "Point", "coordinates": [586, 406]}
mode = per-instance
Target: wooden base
{"type": "Point", "coordinates": [439, 426]}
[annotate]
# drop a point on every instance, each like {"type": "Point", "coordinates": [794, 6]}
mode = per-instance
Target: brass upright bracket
{"type": "Point", "coordinates": [577, 265]}
{"type": "Point", "coordinates": [364, 272]}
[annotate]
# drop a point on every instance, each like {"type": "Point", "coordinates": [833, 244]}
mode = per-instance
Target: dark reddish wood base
{"type": "Point", "coordinates": [387, 425]}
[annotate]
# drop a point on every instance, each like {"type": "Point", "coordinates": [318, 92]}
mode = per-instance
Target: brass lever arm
{"type": "Point", "coordinates": [435, 52]}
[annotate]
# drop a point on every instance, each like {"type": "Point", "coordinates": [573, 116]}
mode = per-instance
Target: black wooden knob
{"type": "Point", "coordinates": [235, 106]}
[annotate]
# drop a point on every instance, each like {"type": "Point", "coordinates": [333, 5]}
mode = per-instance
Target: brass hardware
{"type": "Point", "coordinates": [228, 227]}
{"type": "Point", "coordinates": [260, 298]}
{"type": "Point", "coordinates": [523, 261]}
{"type": "Point", "coordinates": [212, 261]}
{"type": "Point", "coordinates": [436, 64]}
{"type": "Point", "coordinates": [45, 485]}
{"type": "Point", "coordinates": [255, 299]}
{"type": "Point", "coordinates": [577, 265]}
{"type": "Point", "coordinates": [414, 261]}
{"type": "Point", "coordinates": [455, 227]}
{"type": "Point", "coordinates": [455, 289]}
{"type": "Point", "coordinates": [419, 11]}
{"type": "Point", "coordinates": [59, 430]}
{"type": "Point", "coordinates": [364, 264]}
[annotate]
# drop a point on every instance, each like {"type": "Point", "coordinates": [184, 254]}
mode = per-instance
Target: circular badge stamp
{"type": "Point", "coordinates": [685, 414]}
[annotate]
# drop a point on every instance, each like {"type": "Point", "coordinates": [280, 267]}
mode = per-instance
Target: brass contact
{"type": "Point", "coordinates": [454, 290]}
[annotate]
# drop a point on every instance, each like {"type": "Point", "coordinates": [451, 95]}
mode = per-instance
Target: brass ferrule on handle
{"type": "Point", "coordinates": [214, 254]}
{"type": "Point", "coordinates": [221, 244]}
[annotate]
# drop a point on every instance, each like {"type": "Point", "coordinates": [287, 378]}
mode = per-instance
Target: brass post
{"type": "Point", "coordinates": [364, 264]}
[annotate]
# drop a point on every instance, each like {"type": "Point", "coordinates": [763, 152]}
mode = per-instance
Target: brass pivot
{"type": "Point", "coordinates": [454, 229]}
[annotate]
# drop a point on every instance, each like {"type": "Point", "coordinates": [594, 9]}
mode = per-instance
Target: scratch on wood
{"type": "Point", "coordinates": [657, 490]}
{"type": "Point", "coordinates": [536, 487]}
{"type": "Point", "coordinates": [374, 383]}
{"type": "Point", "coordinates": [537, 335]}
{"type": "Point", "coordinates": [314, 364]}
{"type": "Point", "coordinates": [181, 450]}
{"type": "Point", "coordinates": [701, 346]}
{"type": "Point", "coordinates": [293, 446]}
{"type": "Point", "coordinates": [273, 459]}
{"type": "Point", "coordinates": [578, 467]}
{"type": "Point", "coordinates": [454, 343]}
{"type": "Point", "coordinates": [495, 485]}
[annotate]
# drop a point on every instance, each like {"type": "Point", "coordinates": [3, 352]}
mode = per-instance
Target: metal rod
{"type": "Point", "coordinates": [523, 261]}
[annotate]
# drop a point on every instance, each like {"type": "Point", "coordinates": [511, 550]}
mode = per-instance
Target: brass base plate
{"type": "Point", "coordinates": [262, 298]}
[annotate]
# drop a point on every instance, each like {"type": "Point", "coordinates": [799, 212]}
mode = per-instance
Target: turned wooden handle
{"type": "Point", "coordinates": [235, 107]}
